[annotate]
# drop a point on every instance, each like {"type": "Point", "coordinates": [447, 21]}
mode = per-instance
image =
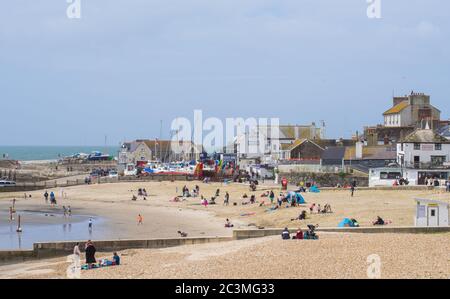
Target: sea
{"type": "Point", "coordinates": [49, 153]}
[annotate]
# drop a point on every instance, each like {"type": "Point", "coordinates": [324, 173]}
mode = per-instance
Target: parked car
{"type": "Point", "coordinates": [113, 174]}
{"type": "Point", "coordinates": [5, 183]}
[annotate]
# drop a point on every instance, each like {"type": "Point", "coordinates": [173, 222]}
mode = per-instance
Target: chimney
{"type": "Point", "coordinates": [359, 150]}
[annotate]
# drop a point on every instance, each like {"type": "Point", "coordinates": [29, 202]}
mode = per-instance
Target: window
{"type": "Point", "coordinates": [390, 175]}
{"type": "Point", "coordinates": [437, 146]}
{"type": "Point", "coordinates": [416, 146]}
{"type": "Point", "coordinates": [433, 213]}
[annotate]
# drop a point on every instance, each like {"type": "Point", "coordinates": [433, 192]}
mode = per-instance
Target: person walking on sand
{"type": "Point", "coordinates": [226, 199]}
{"type": "Point", "coordinates": [69, 211]}
{"type": "Point", "coordinates": [46, 196]}
{"type": "Point", "coordinates": [90, 224]}
{"type": "Point", "coordinates": [140, 219]}
{"type": "Point", "coordinates": [352, 188]}
{"type": "Point", "coordinates": [271, 196]}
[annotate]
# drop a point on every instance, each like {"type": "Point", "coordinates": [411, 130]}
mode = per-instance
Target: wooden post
{"type": "Point", "coordinates": [19, 228]}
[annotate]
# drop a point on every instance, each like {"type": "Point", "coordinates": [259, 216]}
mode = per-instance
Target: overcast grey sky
{"type": "Point", "coordinates": [126, 65]}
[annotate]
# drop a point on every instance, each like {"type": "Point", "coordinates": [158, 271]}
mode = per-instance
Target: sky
{"type": "Point", "coordinates": [125, 66]}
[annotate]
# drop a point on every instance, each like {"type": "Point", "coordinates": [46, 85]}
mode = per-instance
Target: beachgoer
{"type": "Point", "coordinates": [379, 221]}
{"type": "Point", "coordinates": [116, 259]}
{"type": "Point", "coordinates": [311, 208]}
{"type": "Point", "coordinates": [285, 235]}
{"type": "Point", "coordinates": [271, 196]}
{"type": "Point", "coordinates": [76, 250]}
{"type": "Point", "coordinates": [46, 196]}
{"type": "Point", "coordinates": [182, 234]}
{"type": "Point", "coordinates": [90, 253]}
{"type": "Point", "coordinates": [299, 234]}
{"type": "Point", "coordinates": [140, 219]}
{"type": "Point", "coordinates": [226, 200]}
{"type": "Point", "coordinates": [69, 211]}
{"type": "Point", "coordinates": [228, 223]}
{"type": "Point", "coordinates": [90, 224]}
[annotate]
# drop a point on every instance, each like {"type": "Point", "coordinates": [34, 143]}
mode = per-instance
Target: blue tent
{"type": "Point", "coordinates": [314, 189]}
{"type": "Point", "coordinates": [346, 223]}
{"type": "Point", "coordinates": [295, 196]}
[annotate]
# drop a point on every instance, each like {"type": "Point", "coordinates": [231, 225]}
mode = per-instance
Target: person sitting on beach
{"type": "Point", "coordinates": [245, 195]}
{"type": "Point", "coordinates": [116, 259]}
{"type": "Point", "coordinates": [228, 223]}
{"type": "Point", "coordinates": [311, 208]}
{"type": "Point", "coordinates": [217, 192]}
{"type": "Point", "coordinates": [252, 199]}
{"type": "Point", "coordinates": [327, 209]}
{"type": "Point", "coordinates": [212, 201]}
{"type": "Point", "coordinates": [319, 210]}
{"type": "Point", "coordinates": [140, 192]}
{"type": "Point", "coordinates": [379, 221]}
{"type": "Point", "coordinates": [134, 197]}
{"type": "Point", "coordinates": [182, 234]}
{"type": "Point", "coordinates": [144, 192]}
{"type": "Point", "coordinates": [285, 235]}
{"type": "Point", "coordinates": [302, 216]}
{"type": "Point", "coordinates": [299, 234]}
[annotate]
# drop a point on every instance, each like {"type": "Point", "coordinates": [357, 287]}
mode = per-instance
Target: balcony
{"type": "Point", "coordinates": [427, 165]}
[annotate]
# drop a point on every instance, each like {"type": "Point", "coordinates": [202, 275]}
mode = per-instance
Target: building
{"type": "Point", "coordinates": [277, 140]}
{"type": "Point", "coordinates": [142, 151]}
{"type": "Point", "coordinates": [412, 110]}
{"type": "Point", "coordinates": [406, 114]}
{"type": "Point", "coordinates": [431, 213]}
{"type": "Point", "coordinates": [423, 149]}
{"type": "Point", "coordinates": [302, 149]}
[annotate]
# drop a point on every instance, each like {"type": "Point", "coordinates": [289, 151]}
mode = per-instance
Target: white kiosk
{"type": "Point", "coordinates": [431, 213]}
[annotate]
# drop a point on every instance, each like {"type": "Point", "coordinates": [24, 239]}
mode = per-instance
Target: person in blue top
{"type": "Point", "coordinates": [52, 198]}
{"type": "Point", "coordinates": [116, 259]}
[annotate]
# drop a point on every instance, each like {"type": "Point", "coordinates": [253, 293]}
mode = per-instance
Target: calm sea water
{"type": "Point", "coordinates": [31, 153]}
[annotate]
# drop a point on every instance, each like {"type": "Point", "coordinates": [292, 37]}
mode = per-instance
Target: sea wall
{"type": "Point", "coordinates": [240, 234]}
{"type": "Point", "coordinates": [324, 179]}
{"type": "Point", "coordinates": [55, 249]}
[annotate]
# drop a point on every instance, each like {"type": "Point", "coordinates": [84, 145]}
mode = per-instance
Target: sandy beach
{"type": "Point", "coordinates": [334, 255]}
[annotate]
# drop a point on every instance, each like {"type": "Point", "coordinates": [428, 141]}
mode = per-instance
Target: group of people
{"type": "Point", "coordinates": [90, 251]}
{"type": "Point", "coordinates": [50, 196]}
{"type": "Point", "coordinates": [319, 210]}
{"type": "Point", "coordinates": [300, 235]}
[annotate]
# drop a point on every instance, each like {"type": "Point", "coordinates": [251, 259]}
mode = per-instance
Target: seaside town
{"type": "Point", "coordinates": [382, 190]}
{"type": "Point", "coordinates": [210, 148]}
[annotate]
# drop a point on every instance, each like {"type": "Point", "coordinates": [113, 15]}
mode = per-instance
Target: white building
{"type": "Point", "coordinates": [270, 143]}
{"type": "Point", "coordinates": [431, 213]}
{"type": "Point", "coordinates": [422, 155]}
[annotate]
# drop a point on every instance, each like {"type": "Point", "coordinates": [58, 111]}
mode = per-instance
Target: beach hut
{"type": "Point", "coordinates": [431, 213]}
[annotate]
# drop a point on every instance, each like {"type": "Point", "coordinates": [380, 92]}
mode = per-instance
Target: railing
{"type": "Point", "coordinates": [427, 165]}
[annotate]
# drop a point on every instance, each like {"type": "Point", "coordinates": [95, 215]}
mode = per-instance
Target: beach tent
{"type": "Point", "coordinates": [314, 189]}
{"type": "Point", "coordinates": [346, 223]}
{"type": "Point", "coordinates": [291, 195]}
